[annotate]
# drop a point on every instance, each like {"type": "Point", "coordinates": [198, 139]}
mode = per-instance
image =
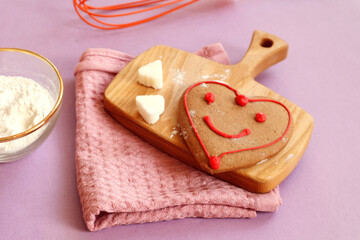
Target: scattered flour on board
{"type": "Point", "coordinates": [185, 135]}
{"type": "Point", "coordinates": [289, 157]}
{"type": "Point", "coordinates": [177, 75]}
{"type": "Point", "coordinates": [220, 77]}
{"type": "Point", "coordinates": [23, 104]}
{"type": "Point", "coordinates": [174, 131]}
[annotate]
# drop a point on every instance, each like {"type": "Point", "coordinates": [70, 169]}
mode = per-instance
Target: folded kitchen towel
{"type": "Point", "coordinates": [124, 180]}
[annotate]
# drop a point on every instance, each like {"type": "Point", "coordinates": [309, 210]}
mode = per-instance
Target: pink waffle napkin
{"type": "Point", "coordinates": [124, 180]}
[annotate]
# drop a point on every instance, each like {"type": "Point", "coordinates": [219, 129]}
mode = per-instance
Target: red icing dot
{"type": "Point", "coordinates": [260, 117]}
{"type": "Point", "coordinates": [214, 162]}
{"type": "Point", "coordinates": [209, 97]}
{"type": "Point", "coordinates": [247, 131]}
{"type": "Point", "coordinates": [242, 100]}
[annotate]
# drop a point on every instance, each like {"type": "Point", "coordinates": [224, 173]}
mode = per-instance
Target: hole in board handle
{"type": "Point", "coordinates": [266, 42]}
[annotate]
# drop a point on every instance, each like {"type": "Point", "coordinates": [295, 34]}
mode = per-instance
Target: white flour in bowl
{"type": "Point", "coordinates": [23, 104]}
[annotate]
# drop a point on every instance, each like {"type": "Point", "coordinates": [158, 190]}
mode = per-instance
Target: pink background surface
{"type": "Point", "coordinates": [38, 195]}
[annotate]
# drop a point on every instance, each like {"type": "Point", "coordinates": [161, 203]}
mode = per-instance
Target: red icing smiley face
{"type": "Point", "coordinates": [232, 130]}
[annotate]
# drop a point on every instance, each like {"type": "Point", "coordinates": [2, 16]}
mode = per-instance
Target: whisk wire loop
{"type": "Point", "coordinates": [144, 5]}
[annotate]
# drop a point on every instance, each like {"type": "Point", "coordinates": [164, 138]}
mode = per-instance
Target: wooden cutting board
{"type": "Point", "coordinates": [182, 69]}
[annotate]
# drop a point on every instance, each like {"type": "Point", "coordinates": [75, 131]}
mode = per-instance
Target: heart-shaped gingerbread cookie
{"type": "Point", "coordinates": [226, 131]}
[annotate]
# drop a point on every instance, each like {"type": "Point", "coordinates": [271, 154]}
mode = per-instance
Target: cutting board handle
{"type": "Point", "coordinates": [264, 51]}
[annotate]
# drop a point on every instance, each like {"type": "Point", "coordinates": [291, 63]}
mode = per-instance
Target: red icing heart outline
{"type": "Point", "coordinates": [239, 150]}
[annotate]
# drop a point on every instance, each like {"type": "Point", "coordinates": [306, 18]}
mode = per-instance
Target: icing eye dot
{"type": "Point", "coordinates": [209, 97]}
{"type": "Point", "coordinates": [214, 162]}
{"type": "Point", "coordinates": [241, 100]}
{"type": "Point", "coordinates": [260, 117]}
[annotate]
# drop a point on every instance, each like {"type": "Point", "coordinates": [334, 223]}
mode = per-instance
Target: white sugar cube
{"type": "Point", "coordinates": [151, 75]}
{"type": "Point", "coordinates": [150, 107]}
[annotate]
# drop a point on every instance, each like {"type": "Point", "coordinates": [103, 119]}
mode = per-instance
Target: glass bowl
{"type": "Point", "coordinates": [23, 63]}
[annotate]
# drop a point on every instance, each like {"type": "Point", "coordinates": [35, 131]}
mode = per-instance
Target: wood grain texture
{"type": "Point", "coordinates": [182, 69]}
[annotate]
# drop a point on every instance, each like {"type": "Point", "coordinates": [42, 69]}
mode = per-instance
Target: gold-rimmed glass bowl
{"type": "Point", "coordinates": [19, 62]}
